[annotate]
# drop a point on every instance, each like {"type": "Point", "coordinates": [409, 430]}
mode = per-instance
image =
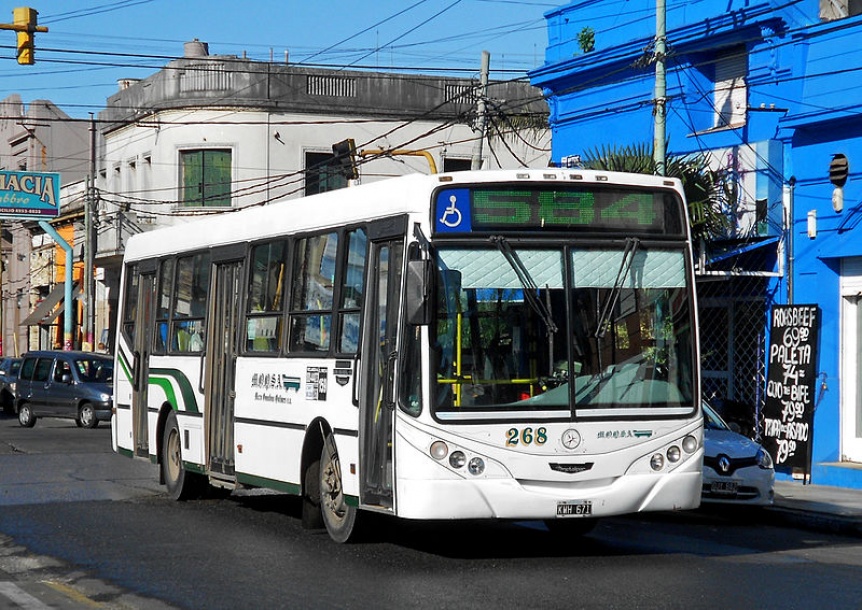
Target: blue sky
{"type": "Point", "coordinates": [93, 43]}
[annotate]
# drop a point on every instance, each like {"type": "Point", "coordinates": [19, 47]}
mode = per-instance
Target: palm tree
{"type": "Point", "coordinates": [711, 198]}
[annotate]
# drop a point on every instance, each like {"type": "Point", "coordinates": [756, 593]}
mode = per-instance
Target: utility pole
{"type": "Point", "coordinates": [476, 163]}
{"type": "Point", "coordinates": [89, 245]}
{"type": "Point", "coordinates": [660, 111]}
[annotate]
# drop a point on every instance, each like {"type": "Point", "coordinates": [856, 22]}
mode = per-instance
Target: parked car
{"type": "Point", "coordinates": [8, 374]}
{"type": "Point", "coordinates": [736, 470]}
{"type": "Point", "coordinates": [75, 385]}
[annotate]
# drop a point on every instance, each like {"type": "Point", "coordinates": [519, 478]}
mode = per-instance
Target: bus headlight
{"type": "Point", "coordinates": [439, 450]}
{"type": "Point", "coordinates": [457, 459]}
{"type": "Point", "coordinates": [673, 454]}
{"type": "Point", "coordinates": [476, 466]}
{"type": "Point", "coordinates": [657, 461]}
{"type": "Point", "coordinates": [689, 444]}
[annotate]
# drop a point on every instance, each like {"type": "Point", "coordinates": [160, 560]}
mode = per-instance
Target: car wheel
{"type": "Point", "coordinates": [87, 416]}
{"type": "Point", "coordinates": [25, 416]}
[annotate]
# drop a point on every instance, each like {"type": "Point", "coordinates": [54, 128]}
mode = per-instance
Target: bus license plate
{"type": "Point", "coordinates": [724, 488]}
{"type": "Point", "coordinates": [583, 508]}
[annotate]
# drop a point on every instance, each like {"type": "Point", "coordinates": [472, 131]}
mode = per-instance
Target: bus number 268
{"type": "Point", "coordinates": [527, 436]}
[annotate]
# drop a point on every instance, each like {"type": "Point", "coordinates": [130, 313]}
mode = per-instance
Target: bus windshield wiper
{"type": "Point", "coordinates": [530, 287]}
{"type": "Point", "coordinates": [632, 244]}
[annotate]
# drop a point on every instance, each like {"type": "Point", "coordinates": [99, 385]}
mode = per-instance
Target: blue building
{"type": "Point", "coordinates": [771, 91]}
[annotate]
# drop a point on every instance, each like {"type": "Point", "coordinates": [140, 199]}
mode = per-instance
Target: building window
{"type": "Point", "coordinates": [322, 173]}
{"type": "Point", "coordinates": [452, 164]}
{"type": "Point", "coordinates": [205, 177]}
{"type": "Point", "coordinates": [731, 95]}
{"type": "Point", "coordinates": [831, 10]}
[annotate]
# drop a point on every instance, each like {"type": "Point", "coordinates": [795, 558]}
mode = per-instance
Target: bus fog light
{"type": "Point", "coordinates": [476, 466]}
{"type": "Point", "coordinates": [689, 444]}
{"type": "Point", "coordinates": [657, 461]}
{"type": "Point", "coordinates": [673, 454]}
{"type": "Point", "coordinates": [439, 450]}
{"type": "Point", "coordinates": [457, 459]}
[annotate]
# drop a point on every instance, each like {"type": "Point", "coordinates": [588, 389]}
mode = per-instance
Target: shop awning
{"type": "Point", "coordinates": [45, 312]}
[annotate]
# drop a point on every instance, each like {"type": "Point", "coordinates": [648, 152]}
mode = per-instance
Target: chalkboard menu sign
{"type": "Point", "coordinates": [788, 415]}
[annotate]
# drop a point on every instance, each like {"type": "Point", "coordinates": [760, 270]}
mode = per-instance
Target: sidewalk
{"type": "Point", "coordinates": [837, 510]}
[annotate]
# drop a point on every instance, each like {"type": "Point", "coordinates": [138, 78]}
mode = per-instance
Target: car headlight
{"type": "Point", "coordinates": [764, 460]}
{"type": "Point", "coordinates": [105, 397]}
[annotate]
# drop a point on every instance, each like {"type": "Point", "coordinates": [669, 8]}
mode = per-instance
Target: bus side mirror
{"type": "Point", "coordinates": [418, 292]}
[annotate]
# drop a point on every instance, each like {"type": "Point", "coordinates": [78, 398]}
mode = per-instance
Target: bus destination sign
{"type": "Point", "coordinates": [570, 208]}
{"type": "Point", "coordinates": [30, 195]}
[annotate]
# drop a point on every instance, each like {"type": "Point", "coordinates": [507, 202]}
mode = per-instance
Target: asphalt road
{"type": "Point", "coordinates": [96, 525]}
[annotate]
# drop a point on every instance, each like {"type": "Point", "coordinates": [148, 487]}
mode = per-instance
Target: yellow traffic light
{"type": "Point", "coordinates": [25, 18]}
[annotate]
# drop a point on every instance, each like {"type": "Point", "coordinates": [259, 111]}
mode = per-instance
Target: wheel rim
{"type": "Point", "coordinates": [331, 492]}
{"type": "Point", "coordinates": [87, 416]}
{"type": "Point", "coordinates": [173, 459]}
{"type": "Point", "coordinates": [24, 415]}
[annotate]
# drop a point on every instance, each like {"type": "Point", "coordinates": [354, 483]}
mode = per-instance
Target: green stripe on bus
{"type": "Point", "coordinates": [190, 401]}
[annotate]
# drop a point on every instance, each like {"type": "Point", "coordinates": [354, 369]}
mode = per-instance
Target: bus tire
{"type": "Point", "coordinates": [181, 484]}
{"type": "Point", "coordinates": [338, 516]}
{"type": "Point", "coordinates": [312, 519]}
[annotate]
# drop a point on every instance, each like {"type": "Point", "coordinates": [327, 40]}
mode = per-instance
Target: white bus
{"type": "Point", "coordinates": [475, 345]}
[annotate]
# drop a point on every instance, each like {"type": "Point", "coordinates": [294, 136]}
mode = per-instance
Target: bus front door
{"type": "Point", "coordinates": [380, 358]}
{"type": "Point", "coordinates": [221, 368]}
{"type": "Point", "coordinates": [143, 342]}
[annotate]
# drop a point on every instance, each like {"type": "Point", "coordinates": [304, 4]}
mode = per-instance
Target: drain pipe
{"type": "Point", "coordinates": [67, 293]}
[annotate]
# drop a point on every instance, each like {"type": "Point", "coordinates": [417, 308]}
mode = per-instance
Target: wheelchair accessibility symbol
{"type": "Point", "coordinates": [451, 215]}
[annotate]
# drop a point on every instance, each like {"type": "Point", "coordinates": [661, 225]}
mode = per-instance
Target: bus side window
{"type": "Point", "coordinates": [352, 291]}
{"type": "Point", "coordinates": [266, 292]}
{"type": "Point", "coordinates": [130, 303]}
{"type": "Point", "coordinates": [163, 304]}
{"type": "Point", "coordinates": [190, 303]}
{"type": "Point", "coordinates": [312, 293]}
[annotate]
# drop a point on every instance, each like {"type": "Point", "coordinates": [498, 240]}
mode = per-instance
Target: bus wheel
{"type": "Point", "coordinates": [570, 528]}
{"type": "Point", "coordinates": [338, 517]}
{"type": "Point", "coordinates": [181, 484]}
{"type": "Point", "coordinates": [25, 416]}
{"type": "Point", "coordinates": [312, 519]}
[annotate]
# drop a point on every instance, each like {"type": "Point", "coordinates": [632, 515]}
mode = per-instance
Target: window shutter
{"type": "Point", "coordinates": [731, 95]}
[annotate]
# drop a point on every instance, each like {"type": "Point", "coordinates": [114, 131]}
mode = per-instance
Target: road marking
{"type": "Point", "coordinates": [14, 593]}
{"type": "Point", "coordinates": [72, 593]}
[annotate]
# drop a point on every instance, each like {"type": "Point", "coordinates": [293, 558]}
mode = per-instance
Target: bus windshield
{"type": "Point", "coordinates": [560, 333]}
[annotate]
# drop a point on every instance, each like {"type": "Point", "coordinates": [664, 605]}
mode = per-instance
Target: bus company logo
{"type": "Point", "coordinates": [618, 434]}
{"type": "Point", "coordinates": [275, 381]}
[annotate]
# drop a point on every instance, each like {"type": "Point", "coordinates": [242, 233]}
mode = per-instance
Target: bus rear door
{"type": "Point", "coordinates": [221, 350]}
{"type": "Point", "coordinates": [143, 341]}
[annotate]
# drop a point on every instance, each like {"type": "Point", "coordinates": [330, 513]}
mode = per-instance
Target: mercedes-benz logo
{"type": "Point", "coordinates": [571, 438]}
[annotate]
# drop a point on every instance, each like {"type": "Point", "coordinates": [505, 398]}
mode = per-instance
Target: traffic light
{"type": "Point", "coordinates": [345, 158]}
{"type": "Point", "coordinates": [24, 23]}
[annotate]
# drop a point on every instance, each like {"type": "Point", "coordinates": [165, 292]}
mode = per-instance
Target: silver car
{"type": "Point", "coordinates": [736, 470]}
{"type": "Point", "coordinates": [74, 385]}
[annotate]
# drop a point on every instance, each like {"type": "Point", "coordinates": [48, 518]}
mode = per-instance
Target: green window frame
{"type": "Point", "coordinates": [205, 177]}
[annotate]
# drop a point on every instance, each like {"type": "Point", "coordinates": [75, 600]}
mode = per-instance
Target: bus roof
{"type": "Point", "coordinates": [401, 195]}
